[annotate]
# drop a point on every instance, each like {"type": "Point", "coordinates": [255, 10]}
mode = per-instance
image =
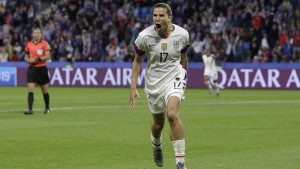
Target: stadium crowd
{"type": "Point", "coordinates": [104, 30]}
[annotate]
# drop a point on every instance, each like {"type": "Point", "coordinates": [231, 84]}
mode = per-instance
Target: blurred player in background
{"type": "Point", "coordinates": [37, 53]}
{"type": "Point", "coordinates": [210, 71]}
{"type": "Point", "coordinates": [164, 45]}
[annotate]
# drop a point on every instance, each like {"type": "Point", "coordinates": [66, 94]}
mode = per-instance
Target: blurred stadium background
{"type": "Point", "coordinates": [103, 30]}
{"type": "Point", "coordinates": [247, 127]}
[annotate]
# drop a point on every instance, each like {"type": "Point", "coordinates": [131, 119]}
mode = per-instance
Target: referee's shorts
{"type": "Point", "coordinates": [38, 75]}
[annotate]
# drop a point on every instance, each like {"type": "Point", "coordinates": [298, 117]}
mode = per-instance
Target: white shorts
{"type": "Point", "coordinates": [213, 74]}
{"type": "Point", "coordinates": [158, 102]}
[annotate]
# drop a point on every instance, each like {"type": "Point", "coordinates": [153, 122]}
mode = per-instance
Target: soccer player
{"type": "Point", "coordinates": [37, 53]}
{"type": "Point", "coordinates": [164, 45]}
{"type": "Point", "coordinates": [210, 71]}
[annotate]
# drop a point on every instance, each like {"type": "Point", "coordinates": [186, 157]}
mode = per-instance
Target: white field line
{"type": "Point", "coordinates": [247, 102]}
{"type": "Point", "coordinates": [64, 108]}
{"type": "Point", "coordinates": [188, 104]}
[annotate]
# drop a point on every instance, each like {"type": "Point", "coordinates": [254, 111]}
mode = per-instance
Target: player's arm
{"type": "Point", "coordinates": [184, 61]}
{"type": "Point", "coordinates": [215, 56]}
{"type": "Point", "coordinates": [27, 58]}
{"type": "Point", "coordinates": [184, 58]}
{"type": "Point", "coordinates": [136, 68]}
{"type": "Point", "coordinates": [46, 57]}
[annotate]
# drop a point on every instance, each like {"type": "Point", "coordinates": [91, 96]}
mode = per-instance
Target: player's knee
{"type": "Point", "coordinates": [31, 89]}
{"type": "Point", "coordinates": [45, 91]}
{"type": "Point", "coordinates": [206, 82]}
{"type": "Point", "coordinates": [158, 126]}
{"type": "Point", "coordinates": [173, 116]}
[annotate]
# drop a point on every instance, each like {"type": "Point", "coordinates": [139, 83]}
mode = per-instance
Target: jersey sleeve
{"type": "Point", "coordinates": [26, 48]}
{"type": "Point", "coordinates": [46, 46]}
{"type": "Point", "coordinates": [186, 43]}
{"type": "Point", "coordinates": [204, 58]}
{"type": "Point", "coordinates": [139, 45]}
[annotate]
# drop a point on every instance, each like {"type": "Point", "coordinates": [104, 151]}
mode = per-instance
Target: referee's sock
{"type": "Point", "coordinates": [30, 99]}
{"type": "Point", "coordinates": [46, 100]}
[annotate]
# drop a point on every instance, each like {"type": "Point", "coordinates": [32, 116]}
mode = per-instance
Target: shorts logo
{"type": "Point", "coordinates": [164, 46]}
{"type": "Point", "coordinates": [176, 44]}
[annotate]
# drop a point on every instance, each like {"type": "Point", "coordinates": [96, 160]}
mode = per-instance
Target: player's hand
{"type": "Point", "coordinates": [133, 95]}
{"type": "Point", "coordinates": [30, 60]}
{"type": "Point", "coordinates": [38, 59]}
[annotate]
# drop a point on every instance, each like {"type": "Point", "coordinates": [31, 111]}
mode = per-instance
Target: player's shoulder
{"type": "Point", "coordinates": [44, 42]}
{"type": "Point", "coordinates": [30, 43]}
{"type": "Point", "coordinates": [180, 30]}
{"type": "Point", "coordinates": [149, 31]}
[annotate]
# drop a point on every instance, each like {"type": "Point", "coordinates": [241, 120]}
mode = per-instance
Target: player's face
{"type": "Point", "coordinates": [208, 52]}
{"type": "Point", "coordinates": [161, 19]}
{"type": "Point", "coordinates": [36, 34]}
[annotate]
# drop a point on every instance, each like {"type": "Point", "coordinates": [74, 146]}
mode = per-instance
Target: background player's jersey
{"type": "Point", "coordinates": [209, 63]}
{"type": "Point", "coordinates": [163, 56]}
{"type": "Point", "coordinates": [37, 50]}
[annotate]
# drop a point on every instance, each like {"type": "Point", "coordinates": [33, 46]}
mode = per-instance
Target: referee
{"type": "Point", "coordinates": [37, 52]}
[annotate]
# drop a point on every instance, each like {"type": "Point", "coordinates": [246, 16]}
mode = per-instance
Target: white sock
{"type": "Point", "coordinates": [210, 87]}
{"type": "Point", "coordinates": [156, 141]}
{"type": "Point", "coordinates": [208, 84]}
{"type": "Point", "coordinates": [217, 87]}
{"type": "Point", "coordinates": [179, 149]}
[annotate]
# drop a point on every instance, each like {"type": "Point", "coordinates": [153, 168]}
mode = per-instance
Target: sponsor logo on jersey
{"type": "Point", "coordinates": [151, 45]}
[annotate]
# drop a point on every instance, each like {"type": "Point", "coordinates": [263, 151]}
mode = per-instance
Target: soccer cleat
{"type": "Point", "coordinates": [29, 112]}
{"type": "Point", "coordinates": [158, 156]}
{"type": "Point", "coordinates": [47, 111]}
{"type": "Point", "coordinates": [180, 165]}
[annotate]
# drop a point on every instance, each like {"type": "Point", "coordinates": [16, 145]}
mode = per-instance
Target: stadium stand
{"type": "Point", "coordinates": [104, 30]}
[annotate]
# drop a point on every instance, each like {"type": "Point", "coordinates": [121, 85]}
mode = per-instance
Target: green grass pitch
{"type": "Point", "coordinates": [92, 128]}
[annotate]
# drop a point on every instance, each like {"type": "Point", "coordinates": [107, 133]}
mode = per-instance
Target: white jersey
{"type": "Point", "coordinates": [163, 56]}
{"type": "Point", "coordinates": [210, 68]}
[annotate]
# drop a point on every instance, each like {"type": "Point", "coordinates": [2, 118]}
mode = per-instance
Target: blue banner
{"type": "Point", "coordinates": [98, 74]}
{"type": "Point", "coordinates": [8, 76]}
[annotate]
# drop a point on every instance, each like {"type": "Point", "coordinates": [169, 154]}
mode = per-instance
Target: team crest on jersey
{"type": "Point", "coordinates": [176, 44]}
{"type": "Point", "coordinates": [164, 46]}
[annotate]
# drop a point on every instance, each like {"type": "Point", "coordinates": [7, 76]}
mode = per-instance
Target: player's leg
{"type": "Point", "coordinates": [31, 80]}
{"type": "Point", "coordinates": [30, 98]}
{"type": "Point", "coordinates": [156, 128]}
{"type": "Point", "coordinates": [156, 138]}
{"type": "Point", "coordinates": [176, 128]}
{"type": "Point", "coordinates": [43, 82]}
{"type": "Point", "coordinates": [216, 85]}
{"type": "Point", "coordinates": [46, 95]}
{"type": "Point", "coordinates": [157, 107]}
{"type": "Point", "coordinates": [207, 83]}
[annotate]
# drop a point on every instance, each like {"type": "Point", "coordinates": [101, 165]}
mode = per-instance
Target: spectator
{"type": "Point", "coordinates": [287, 52]}
{"type": "Point", "coordinates": [111, 51]}
{"type": "Point", "coordinates": [197, 49]}
{"type": "Point", "coordinates": [17, 48]}
{"type": "Point", "coordinates": [121, 52]}
{"type": "Point", "coordinates": [296, 44]}
{"type": "Point", "coordinates": [3, 55]}
{"type": "Point", "coordinates": [65, 18]}
{"type": "Point", "coordinates": [86, 45]}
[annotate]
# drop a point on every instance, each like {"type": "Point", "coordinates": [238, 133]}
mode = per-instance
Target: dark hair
{"type": "Point", "coordinates": [164, 5]}
{"type": "Point", "coordinates": [36, 27]}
